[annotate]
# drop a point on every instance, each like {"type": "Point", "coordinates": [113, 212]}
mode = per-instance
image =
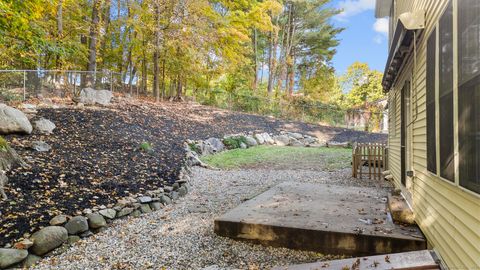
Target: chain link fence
{"type": "Point", "coordinates": [20, 85]}
{"type": "Point", "coordinates": [299, 109]}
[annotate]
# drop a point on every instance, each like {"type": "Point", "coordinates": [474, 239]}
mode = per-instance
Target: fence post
{"type": "Point", "coordinates": [111, 81]}
{"type": "Point", "coordinates": [24, 85]}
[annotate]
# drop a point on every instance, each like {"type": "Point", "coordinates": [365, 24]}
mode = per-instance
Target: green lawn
{"type": "Point", "coordinates": [277, 157]}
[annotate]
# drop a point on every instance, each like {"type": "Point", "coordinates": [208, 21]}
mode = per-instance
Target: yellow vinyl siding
{"type": "Point", "coordinates": [448, 215]}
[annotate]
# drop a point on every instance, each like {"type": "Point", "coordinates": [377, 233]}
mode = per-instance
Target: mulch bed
{"type": "Point", "coordinates": [96, 156]}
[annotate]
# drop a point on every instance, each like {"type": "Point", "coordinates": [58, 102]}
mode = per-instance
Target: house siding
{"type": "Point", "coordinates": [448, 215]}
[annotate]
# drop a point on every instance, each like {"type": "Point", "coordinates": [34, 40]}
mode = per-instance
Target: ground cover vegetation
{"type": "Point", "coordinates": [277, 157]}
{"type": "Point", "coordinates": [270, 57]}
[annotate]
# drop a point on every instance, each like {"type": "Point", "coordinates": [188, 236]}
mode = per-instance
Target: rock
{"type": "Point", "coordinates": [44, 126]}
{"type": "Point", "coordinates": [333, 144]}
{"type": "Point", "coordinates": [197, 209]}
{"type": "Point", "coordinates": [96, 221]}
{"type": "Point", "coordinates": [145, 208]}
{"type": "Point", "coordinates": [175, 186]}
{"type": "Point", "coordinates": [182, 191]}
{"type": "Point", "coordinates": [206, 149]}
{"type": "Point", "coordinates": [268, 139]}
{"type": "Point", "coordinates": [48, 239]}
{"type": "Point", "coordinates": [77, 225]}
{"type": "Point", "coordinates": [73, 239]}
{"type": "Point", "coordinates": [174, 195]}
{"type": "Point", "coordinates": [281, 140]}
{"type": "Point", "coordinates": [165, 200]}
{"type": "Point", "coordinates": [29, 108]}
{"type": "Point", "coordinates": [108, 213]}
{"type": "Point", "coordinates": [251, 141]}
{"type": "Point", "coordinates": [86, 234]}
{"type": "Point", "coordinates": [41, 146]}
{"type": "Point", "coordinates": [155, 206]}
{"type": "Point", "coordinates": [100, 230]}
{"type": "Point", "coordinates": [136, 205]}
{"type": "Point", "coordinates": [24, 244]}
{"type": "Point", "coordinates": [217, 144]}
{"type": "Point", "coordinates": [10, 256]}
{"type": "Point", "coordinates": [260, 139]}
{"type": "Point", "coordinates": [87, 211]}
{"type": "Point", "coordinates": [168, 189]}
{"type": "Point", "coordinates": [91, 96]}
{"type": "Point", "coordinates": [144, 199]}
{"type": "Point", "coordinates": [309, 141]}
{"type": "Point", "coordinates": [295, 135]}
{"type": "Point", "coordinates": [136, 213]}
{"type": "Point", "coordinates": [124, 212]}
{"type": "Point", "coordinates": [296, 143]}
{"type": "Point", "coordinates": [243, 146]}
{"type": "Point", "coordinates": [13, 121]}
{"type": "Point", "coordinates": [30, 261]}
{"type": "Point", "coordinates": [58, 220]}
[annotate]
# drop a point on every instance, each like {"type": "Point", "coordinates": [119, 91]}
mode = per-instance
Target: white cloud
{"type": "Point", "coordinates": [353, 7]}
{"type": "Point", "coordinates": [381, 26]}
{"type": "Point", "coordinates": [378, 39]}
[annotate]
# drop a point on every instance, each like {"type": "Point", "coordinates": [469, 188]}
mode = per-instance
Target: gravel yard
{"type": "Point", "coordinates": [96, 157]}
{"type": "Point", "coordinates": [181, 236]}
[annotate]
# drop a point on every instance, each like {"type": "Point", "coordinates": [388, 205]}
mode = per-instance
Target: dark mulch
{"type": "Point", "coordinates": [96, 158]}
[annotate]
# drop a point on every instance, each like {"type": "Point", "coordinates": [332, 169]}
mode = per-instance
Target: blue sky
{"type": "Point", "coordinates": [364, 38]}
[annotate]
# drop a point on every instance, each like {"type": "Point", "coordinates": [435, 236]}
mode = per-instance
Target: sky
{"type": "Point", "coordinates": [364, 39]}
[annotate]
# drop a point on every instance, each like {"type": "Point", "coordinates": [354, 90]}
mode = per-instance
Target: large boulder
{"type": "Point", "coordinates": [13, 121]}
{"type": "Point", "coordinates": [251, 141]}
{"type": "Point", "coordinates": [48, 239]}
{"type": "Point", "coordinates": [44, 126]}
{"type": "Point", "coordinates": [10, 256]}
{"type": "Point", "coordinates": [281, 140]}
{"type": "Point", "coordinates": [96, 221]}
{"type": "Point", "coordinates": [92, 96]}
{"type": "Point", "coordinates": [77, 225]}
{"type": "Point", "coordinates": [217, 144]}
{"type": "Point", "coordinates": [260, 139]}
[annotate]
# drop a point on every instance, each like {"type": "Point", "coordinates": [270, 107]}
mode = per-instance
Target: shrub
{"type": "Point", "coordinates": [146, 146]}
{"type": "Point", "coordinates": [194, 147]}
{"type": "Point", "coordinates": [3, 144]}
{"type": "Point", "coordinates": [234, 142]}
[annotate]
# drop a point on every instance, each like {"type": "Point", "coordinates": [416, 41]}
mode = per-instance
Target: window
{"type": "Point", "coordinates": [430, 84]}
{"type": "Point", "coordinates": [445, 64]}
{"type": "Point", "coordinates": [469, 93]}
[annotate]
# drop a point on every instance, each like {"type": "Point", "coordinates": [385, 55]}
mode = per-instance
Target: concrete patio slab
{"type": "Point", "coordinates": [323, 218]}
{"type": "Point", "coordinates": [408, 260]}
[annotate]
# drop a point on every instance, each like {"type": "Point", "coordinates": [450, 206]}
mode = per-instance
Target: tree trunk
{"type": "Point", "coordinates": [92, 47]}
{"type": "Point", "coordinates": [163, 78]}
{"type": "Point", "coordinates": [255, 56]}
{"type": "Point", "coordinates": [291, 75]}
{"type": "Point", "coordinates": [59, 30]}
{"type": "Point", "coordinates": [156, 70]}
{"type": "Point", "coordinates": [272, 55]}
{"type": "Point", "coordinates": [179, 86]}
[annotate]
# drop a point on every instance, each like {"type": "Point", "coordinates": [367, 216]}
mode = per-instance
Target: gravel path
{"type": "Point", "coordinates": [181, 236]}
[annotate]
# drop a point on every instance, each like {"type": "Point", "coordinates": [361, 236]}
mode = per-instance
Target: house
{"type": "Point", "coordinates": [432, 77]}
{"type": "Point", "coordinates": [372, 116]}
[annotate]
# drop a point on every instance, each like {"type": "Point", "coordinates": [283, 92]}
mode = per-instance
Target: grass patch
{"type": "Point", "coordinates": [3, 144]}
{"type": "Point", "coordinates": [282, 157]}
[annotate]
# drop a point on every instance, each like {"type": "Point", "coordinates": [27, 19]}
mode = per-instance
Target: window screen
{"type": "Point", "coordinates": [446, 156]}
{"type": "Point", "coordinates": [469, 93]}
{"type": "Point", "coordinates": [430, 81]}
